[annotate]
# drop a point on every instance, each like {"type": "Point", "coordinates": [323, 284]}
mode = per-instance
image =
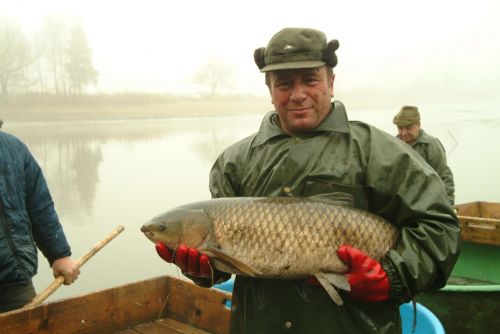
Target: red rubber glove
{"type": "Point", "coordinates": [189, 260]}
{"type": "Point", "coordinates": [368, 280]}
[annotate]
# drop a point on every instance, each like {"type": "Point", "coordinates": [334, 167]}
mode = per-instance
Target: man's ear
{"type": "Point", "coordinates": [331, 85]}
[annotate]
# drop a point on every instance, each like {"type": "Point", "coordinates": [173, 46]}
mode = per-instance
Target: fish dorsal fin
{"type": "Point", "coordinates": [336, 198]}
{"type": "Point", "coordinates": [230, 264]}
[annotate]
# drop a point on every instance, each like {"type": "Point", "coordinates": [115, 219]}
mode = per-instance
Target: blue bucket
{"type": "Point", "coordinates": [427, 322]}
{"type": "Point", "coordinates": [226, 286]}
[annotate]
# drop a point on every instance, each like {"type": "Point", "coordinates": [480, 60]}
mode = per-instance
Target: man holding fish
{"type": "Point", "coordinates": [307, 150]}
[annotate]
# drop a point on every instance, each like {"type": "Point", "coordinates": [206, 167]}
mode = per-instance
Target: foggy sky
{"type": "Point", "coordinates": [388, 47]}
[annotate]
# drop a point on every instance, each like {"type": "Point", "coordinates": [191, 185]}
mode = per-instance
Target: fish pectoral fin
{"type": "Point", "coordinates": [232, 264]}
{"type": "Point", "coordinates": [329, 288]}
{"type": "Point", "coordinates": [338, 280]}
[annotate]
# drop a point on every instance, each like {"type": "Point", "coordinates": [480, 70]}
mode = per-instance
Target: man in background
{"type": "Point", "coordinates": [430, 148]}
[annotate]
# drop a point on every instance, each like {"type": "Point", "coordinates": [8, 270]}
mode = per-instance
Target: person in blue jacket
{"type": "Point", "coordinates": [28, 220]}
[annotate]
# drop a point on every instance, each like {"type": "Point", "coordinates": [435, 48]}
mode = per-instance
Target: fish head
{"type": "Point", "coordinates": [187, 226]}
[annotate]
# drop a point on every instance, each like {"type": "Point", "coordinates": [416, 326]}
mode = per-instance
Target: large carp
{"type": "Point", "coordinates": [276, 237]}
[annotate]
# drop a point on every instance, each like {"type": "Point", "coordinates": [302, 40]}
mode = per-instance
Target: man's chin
{"type": "Point", "coordinates": [302, 127]}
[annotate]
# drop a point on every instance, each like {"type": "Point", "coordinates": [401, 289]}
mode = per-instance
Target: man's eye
{"type": "Point", "coordinates": [311, 81]}
{"type": "Point", "coordinates": [283, 83]}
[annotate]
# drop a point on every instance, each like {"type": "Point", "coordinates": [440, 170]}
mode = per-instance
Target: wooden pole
{"type": "Point", "coordinates": [38, 299]}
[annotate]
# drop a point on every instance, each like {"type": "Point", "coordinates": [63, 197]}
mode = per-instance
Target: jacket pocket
{"type": "Point", "coordinates": [316, 186]}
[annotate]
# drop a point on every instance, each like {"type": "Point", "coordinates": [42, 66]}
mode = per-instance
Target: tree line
{"type": "Point", "coordinates": [57, 59]}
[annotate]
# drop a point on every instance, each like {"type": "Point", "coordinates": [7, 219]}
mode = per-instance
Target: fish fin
{"type": "Point", "coordinates": [329, 288]}
{"type": "Point", "coordinates": [337, 198]}
{"type": "Point", "coordinates": [338, 280]}
{"type": "Point", "coordinates": [231, 264]}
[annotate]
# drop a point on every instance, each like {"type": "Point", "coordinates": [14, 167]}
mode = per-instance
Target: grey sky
{"type": "Point", "coordinates": [391, 46]}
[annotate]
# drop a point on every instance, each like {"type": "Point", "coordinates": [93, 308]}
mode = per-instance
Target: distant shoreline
{"type": "Point", "coordinates": [164, 110]}
{"type": "Point", "coordinates": [218, 107]}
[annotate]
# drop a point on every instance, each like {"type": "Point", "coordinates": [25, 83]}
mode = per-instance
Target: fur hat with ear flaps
{"type": "Point", "coordinates": [407, 116]}
{"type": "Point", "coordinates": [293, 48]}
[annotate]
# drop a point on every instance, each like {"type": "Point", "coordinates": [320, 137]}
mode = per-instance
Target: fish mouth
{"type": "Point", "coordinates": [149, 234]}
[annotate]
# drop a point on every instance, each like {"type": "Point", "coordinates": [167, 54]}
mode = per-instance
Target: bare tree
{"type": "Point", "coordinates": [14, 56]}
{"type": "Point", "coordinates": [214, 74]}
{"type": "Point", "coordinates": [79, 67]}
{"type": "Point", "coordinates": [54, 38]}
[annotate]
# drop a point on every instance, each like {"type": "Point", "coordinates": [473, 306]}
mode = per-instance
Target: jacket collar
{"type": "Point", "coordinates": [335, 121]}
{"type": "Point", "coordinates": [422, 137]}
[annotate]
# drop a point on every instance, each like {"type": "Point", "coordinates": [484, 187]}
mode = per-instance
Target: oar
{"type": "Point", "coordinates": [38, 299]}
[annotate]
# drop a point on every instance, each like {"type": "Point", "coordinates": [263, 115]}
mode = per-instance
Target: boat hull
{"type": "Point", "coordinates": [470, 302]}
{"type": "Point", "coordinates": [472, 311]}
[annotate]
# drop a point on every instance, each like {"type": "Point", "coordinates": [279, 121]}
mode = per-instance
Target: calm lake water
{"type": "Point", "coordinates": [105, 174]}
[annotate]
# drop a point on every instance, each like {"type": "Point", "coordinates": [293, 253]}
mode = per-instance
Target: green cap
{"type": "Point", "coordinates": [407, 116]}
{"type": "Point", "coordinates": [293, 48]}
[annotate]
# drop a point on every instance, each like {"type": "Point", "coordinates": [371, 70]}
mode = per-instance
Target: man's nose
{"type": "Point", "coordinates": [298, 92]}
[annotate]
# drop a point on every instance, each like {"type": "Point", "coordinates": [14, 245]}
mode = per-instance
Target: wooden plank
{"type": "Point", "coordinates": [180, 327]}
{"type": "Point", "coordinates": [202, 308]}
{"type": "Point", "coordinates": [154, 328]}
{"type": "Point", "coordinates": [127, 331]}
{"type": "Point", "coordinates": [167, 326]}
{"type": "Point", "coordinates": [480, 222]}
{"type": "Point", "coordinates": [122, 307]}
{"type": "Point", "coordinates": [479, 209]}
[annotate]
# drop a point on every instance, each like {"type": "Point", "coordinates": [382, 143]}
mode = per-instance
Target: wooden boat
{"type": "Point", "coordinates": [159, 305]}
{"type": "Point", "coordinates": [470, 302]}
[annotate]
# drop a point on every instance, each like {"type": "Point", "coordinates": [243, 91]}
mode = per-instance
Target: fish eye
{"type": "Point", "coordinates": [162, 228]}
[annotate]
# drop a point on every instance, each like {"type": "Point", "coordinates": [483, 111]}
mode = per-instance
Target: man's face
{"type": "Point", "coordinates": [301, 97]}
{"type": "Point", "coordinates": [409, 133]}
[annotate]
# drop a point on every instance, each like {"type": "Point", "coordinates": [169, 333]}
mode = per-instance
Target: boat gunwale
{"type": "Point", "coordinates": [471, 288]}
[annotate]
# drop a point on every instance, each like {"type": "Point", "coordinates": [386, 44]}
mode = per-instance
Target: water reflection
{"type": "Point", "coordinates": [102, 174]}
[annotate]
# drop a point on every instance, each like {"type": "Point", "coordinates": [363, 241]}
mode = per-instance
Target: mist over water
{"type": "Point", "coordinates": [103, 174]}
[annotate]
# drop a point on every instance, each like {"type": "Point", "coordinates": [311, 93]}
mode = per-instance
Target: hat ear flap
{"type": "Point", "coordinates": [258, 56]}
{"type": "Point", "coordinates": [329, 56]}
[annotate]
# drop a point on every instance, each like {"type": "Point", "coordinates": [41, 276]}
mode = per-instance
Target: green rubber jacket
{"type": "Point", "coordinates": [385, 176]}
{"type": "Point", "coordinates": [431, 149]}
